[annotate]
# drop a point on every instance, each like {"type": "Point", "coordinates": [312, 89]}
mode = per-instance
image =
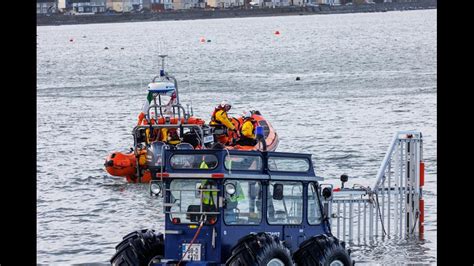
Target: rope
{"type": "Point", "coordinates": [380, 214]}
{"type": "Point", "coordinates": [416, 220]}
{"type": "Point", "coordinates": [203, 218]}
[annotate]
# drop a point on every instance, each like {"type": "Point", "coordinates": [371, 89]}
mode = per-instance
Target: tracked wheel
{"type": "Point", "coordinates": [260, 249]}
{"type": "Point", "coordinates": [322, 250]}
{"type": "Point", "coordinates": [138, 248]}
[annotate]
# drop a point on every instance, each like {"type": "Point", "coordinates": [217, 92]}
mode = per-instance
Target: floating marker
{"type": "Point", "coordinates": [202, 40]}
{"type": "Point", "coordinates": [277, 33]}
{"type": "Point", "coordinates": [297, 78]}
{"type": "Point", "coordinates": [208, 40]}
{"type": "Point", "coordinates": [106, 48]}
{"type": "Point", "coordinates": [122, 48]}
{"type": "Point", "coordinates": [71, 40]}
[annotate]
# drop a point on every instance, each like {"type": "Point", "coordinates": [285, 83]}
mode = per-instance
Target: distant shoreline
{"type": "Point", "coordinates": [191, 14]}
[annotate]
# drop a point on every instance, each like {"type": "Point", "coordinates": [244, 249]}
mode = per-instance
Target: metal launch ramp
{"type": "Point", "coordinates": [393, 207]}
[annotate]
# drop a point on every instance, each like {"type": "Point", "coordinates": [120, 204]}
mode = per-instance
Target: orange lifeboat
{"type": "Point", "coordinates": [159, 123]}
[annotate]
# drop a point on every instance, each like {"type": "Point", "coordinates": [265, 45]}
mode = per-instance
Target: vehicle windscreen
{"type": "Point", "coordinates": [288, 164]}
{"type": "Point", "coordinates": [243, 162]}
{"type": "Point", "coordinates": [244, 205]}
{"type": "Point", "coordinates": [193, 161]}
{"type": "Point", "coordinates": [189, 199]}
{"type": "Point", "coordinates": [285, 202]}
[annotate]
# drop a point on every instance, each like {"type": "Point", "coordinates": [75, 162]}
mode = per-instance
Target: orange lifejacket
{"type": "Point", "coordinates": [141, 117]}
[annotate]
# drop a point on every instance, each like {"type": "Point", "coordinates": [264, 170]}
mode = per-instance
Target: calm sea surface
{"type": "Point", "coordinates": [363, 77]}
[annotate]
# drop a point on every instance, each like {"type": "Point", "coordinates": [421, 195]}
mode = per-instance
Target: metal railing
{"type": "Point", "coordinates": [393, 207]}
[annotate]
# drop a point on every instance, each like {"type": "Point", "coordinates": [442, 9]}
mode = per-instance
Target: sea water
{"type": "Point", "coordinates": [362, 78]}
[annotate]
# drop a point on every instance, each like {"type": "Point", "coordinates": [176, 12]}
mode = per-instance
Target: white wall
{"type": "Point", "coordinates": [61, 4]}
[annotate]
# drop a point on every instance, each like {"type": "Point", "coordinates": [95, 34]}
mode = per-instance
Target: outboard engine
{"type": "Point", "coordinates": [154, 155]}
{"type": "Point", "coordinates": [140, 135]}
{"type": "Point", "coordinates": [219, 130]}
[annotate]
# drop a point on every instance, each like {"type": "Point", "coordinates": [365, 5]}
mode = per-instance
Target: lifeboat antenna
{"type": "Point", "coordinates": [162, 71]}
{"type": "Point", "coordinates": [163, 75]}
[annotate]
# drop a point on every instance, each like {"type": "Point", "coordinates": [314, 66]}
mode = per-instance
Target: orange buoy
{"type": "Point", "coordinates": [202, 40]}
{"type": "Point", "coordinates": [277, 33]}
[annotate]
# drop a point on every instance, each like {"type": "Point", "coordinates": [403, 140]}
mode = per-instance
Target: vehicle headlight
{"type": "Point", "coordinates": [155, 188]}
{"type": "Point", "coordinates": [230, 188]}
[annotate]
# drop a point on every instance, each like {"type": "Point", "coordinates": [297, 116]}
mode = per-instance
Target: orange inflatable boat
{"type": "Point", "coordinates": [165, 123]}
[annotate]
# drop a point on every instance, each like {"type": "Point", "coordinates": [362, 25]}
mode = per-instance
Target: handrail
{"type": "Point", "coordinates": [394, 206]}
{"type": "Point", "coordinates": [388, 155]}
{"type": "Point", "coordinates": [179, 106]}
{"type": "Point", "coordinates": [193, 126]}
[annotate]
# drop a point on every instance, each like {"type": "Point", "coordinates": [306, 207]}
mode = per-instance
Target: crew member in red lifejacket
{"type": "Point", "coordinates": [247, 130]}
{"type": "Point", "coordinates": [219, 117]}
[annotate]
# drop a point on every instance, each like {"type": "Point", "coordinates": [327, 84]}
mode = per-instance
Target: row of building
{"type": "Point", "coordinates": [122, 6]}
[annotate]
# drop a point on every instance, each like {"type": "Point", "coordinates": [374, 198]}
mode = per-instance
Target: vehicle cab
{"type": "Point", "coordinates": [216, 197]}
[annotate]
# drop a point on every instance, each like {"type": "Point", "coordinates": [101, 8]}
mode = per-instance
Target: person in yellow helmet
{"type": "Point", "coordinates": [220, 118]}
{"type": "Point", "coordinates": [247, 131]}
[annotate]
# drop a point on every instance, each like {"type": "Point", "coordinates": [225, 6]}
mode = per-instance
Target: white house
{"type": "Point", "coordinates": [277, 3]}
{"type": "Point", "coordinates": [225, 3]}
{"type": "Point", "coordinates": [46, 6]}
{"type": "Point", "coordinates": [123, 5]}
{"type": "Point", "coordinates": [98, 6]}
{"type": "Point", "coordinates": [61, 4]}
